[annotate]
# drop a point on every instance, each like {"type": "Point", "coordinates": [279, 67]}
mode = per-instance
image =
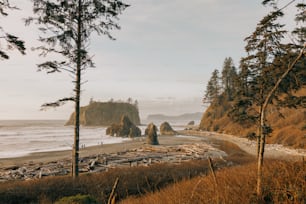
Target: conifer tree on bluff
{"type": "Point", "coordinates": [8, 41]}
{"type": "Point", "coordinates": [272, 68]}
{"type": "Point", "coordinates": [66, 27]}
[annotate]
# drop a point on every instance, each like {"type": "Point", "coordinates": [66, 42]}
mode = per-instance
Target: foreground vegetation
{"type": "Point", "coordinates": [284, 182]}
{"type": "Point", "coordinates": [132, 181]}
{"type": "Point", "coordinates": [190, 182]}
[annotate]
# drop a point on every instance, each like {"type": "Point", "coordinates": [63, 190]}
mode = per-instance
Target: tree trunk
{"type": "Point", "coordinates": [262, 141]}
{"type": "Point", "coordinates": [75, 152]}
{"type": "Point", "coordinates": [262, 123]}
{"type": "Point", "coordinates": [259, 131]}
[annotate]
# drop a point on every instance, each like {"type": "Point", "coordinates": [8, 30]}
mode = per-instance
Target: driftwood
{"type": "Point", "coordinates": [142, 156]}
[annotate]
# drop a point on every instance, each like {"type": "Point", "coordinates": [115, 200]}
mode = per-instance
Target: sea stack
{"type": "Point", "coordinates": [124, 129]}
{"type": "Point", "coordinates": [151, 134]}
{"type": "Point", "coordinates": [166, 129]}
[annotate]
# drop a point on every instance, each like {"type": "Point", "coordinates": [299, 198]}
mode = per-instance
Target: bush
{"type": "Point", "coordinates": [216, 127]}
{"type": "Point", "coordinates": [78, 199]}
{"type": "Point", "coordinates": [251, 136]}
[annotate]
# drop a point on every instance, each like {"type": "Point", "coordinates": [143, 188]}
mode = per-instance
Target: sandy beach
{"type": "Point", "coordinates": [189, 145]}
{"type": "Point", "coordinates": [43, 157]}
{"type": "Point", "coordinates": [272, 150]}
{"type": "Point", "coordinates": [174, 149]}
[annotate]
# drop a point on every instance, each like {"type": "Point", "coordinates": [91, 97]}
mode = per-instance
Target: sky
{"type": "Point", "coordinates": [163, 57]}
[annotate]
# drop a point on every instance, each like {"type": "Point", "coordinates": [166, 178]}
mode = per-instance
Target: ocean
{"type": "Point", "coordinates": [22, 137]}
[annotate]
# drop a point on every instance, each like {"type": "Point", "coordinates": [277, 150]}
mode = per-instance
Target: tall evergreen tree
{"type": "Point", "coordinates": [274, 62]}
{"type": "Point", "coordinates": [300, 31]}
{"type": "Point", "coordinates": [66, 27]}
{"type": "Point", "coordinates": [262, 48]}
{"type": "Point", "coordinates": [242, 110]}
{"type": "Point", "coordinates": [213, 88]}
{"type": "Point", "coordinates": [7, 40]}
{"type": "Point", "coordinates": [229, 75]}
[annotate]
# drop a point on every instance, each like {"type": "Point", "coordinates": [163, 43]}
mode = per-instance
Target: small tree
{"type": "Point", "coordinates": [269, 64]}
{"type": "Point", "coordinates": [7, 40]}
{"type": "Point", "coordinates": [66, 27]}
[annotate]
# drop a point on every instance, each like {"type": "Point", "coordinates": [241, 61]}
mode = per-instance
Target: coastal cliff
{"type": "Point", "coordinates": [288, 124]}
{"type": "Point", "coordinates": [106, 113]}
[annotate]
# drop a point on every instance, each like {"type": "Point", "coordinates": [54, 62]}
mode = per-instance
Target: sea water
{"type": "Point", "coordinates": [20, 137]}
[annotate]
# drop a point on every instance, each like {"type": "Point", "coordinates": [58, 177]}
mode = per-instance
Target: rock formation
{"type": "Point", "coordinates": [151, 134]}
{"type": "Point", "coordinates": [106, 113]}
{"type": "Point", "coordinates": [124, 129]}
{"type": "Point", "coordinates": [191, 123]}
{"type": "Point", "coordinates": [166, 129]}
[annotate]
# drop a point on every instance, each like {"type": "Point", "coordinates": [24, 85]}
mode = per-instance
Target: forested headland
{"type": "Point", "coordinates": [272, 72]}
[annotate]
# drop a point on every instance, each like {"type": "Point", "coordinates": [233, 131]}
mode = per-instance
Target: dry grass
{"type": "Point", "coordinates": [133, 181]}
{"type": "Point", "coordinates": [284, 182]}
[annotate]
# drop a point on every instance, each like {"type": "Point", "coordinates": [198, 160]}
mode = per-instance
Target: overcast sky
{"type": "Point", "coordinates": [163, 56]}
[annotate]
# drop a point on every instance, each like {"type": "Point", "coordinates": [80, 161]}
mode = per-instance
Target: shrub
{"type": "Point", "coordinates": [78, 199]}
{"type": "Point", "coordinates": [216, 127]}
{"type": "Point", "coordinates": [251, 136]}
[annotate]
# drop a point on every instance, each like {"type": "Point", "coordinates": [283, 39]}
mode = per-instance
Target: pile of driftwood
{"type": "Point", "coordinates": [143, 156]}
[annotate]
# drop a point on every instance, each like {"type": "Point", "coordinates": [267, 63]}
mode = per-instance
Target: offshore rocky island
{"type": "Point", "coordinates": [106, 113]}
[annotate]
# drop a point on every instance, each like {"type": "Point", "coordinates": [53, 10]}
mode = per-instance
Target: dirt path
{"type": "Point", "coordinates": [271, 150]}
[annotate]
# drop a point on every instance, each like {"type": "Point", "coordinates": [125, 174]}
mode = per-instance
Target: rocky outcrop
{"type": "Point", "coordinates": [151, 134]}
{"type": "Point", "coordinates": [124, 129]}
{"type": "Point", "coordinates": [106, 113]}
{"type": "Point", "coordinates": [191, 123]}
{"type": "Point", "coordinates": [166, 129]}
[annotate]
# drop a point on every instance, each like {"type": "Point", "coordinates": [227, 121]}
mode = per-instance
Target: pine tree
{"type": "Point", "coordinates": [213, 88]}
{"type": "Point", "coordinates": [7, 40]}
{"type": "Point", "coordinates": [274, 62]}
{"type": "Point", "coordinates": [229, 75]}
{"type": "Point", "coordinates": [66, 27]}
{"type": "Point", "coordinates": [300, 31]}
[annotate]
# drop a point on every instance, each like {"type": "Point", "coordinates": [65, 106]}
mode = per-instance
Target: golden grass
{"type": "Point", "coordinates": [284, 182]}
{"type": "Point", "coordinates": [133, 181]}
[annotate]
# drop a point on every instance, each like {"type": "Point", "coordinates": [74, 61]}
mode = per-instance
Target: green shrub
{"type": "Point", "coordinates": [78, 199]}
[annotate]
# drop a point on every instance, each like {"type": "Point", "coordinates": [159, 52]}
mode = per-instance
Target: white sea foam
{"type": "Point", "coordinates": [19, 138]}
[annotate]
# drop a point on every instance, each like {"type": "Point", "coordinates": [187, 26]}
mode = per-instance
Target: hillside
{"type": "Point", "coordinates": [289, 130]}
{"type": "Point", "coordinates": [106, 113]}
